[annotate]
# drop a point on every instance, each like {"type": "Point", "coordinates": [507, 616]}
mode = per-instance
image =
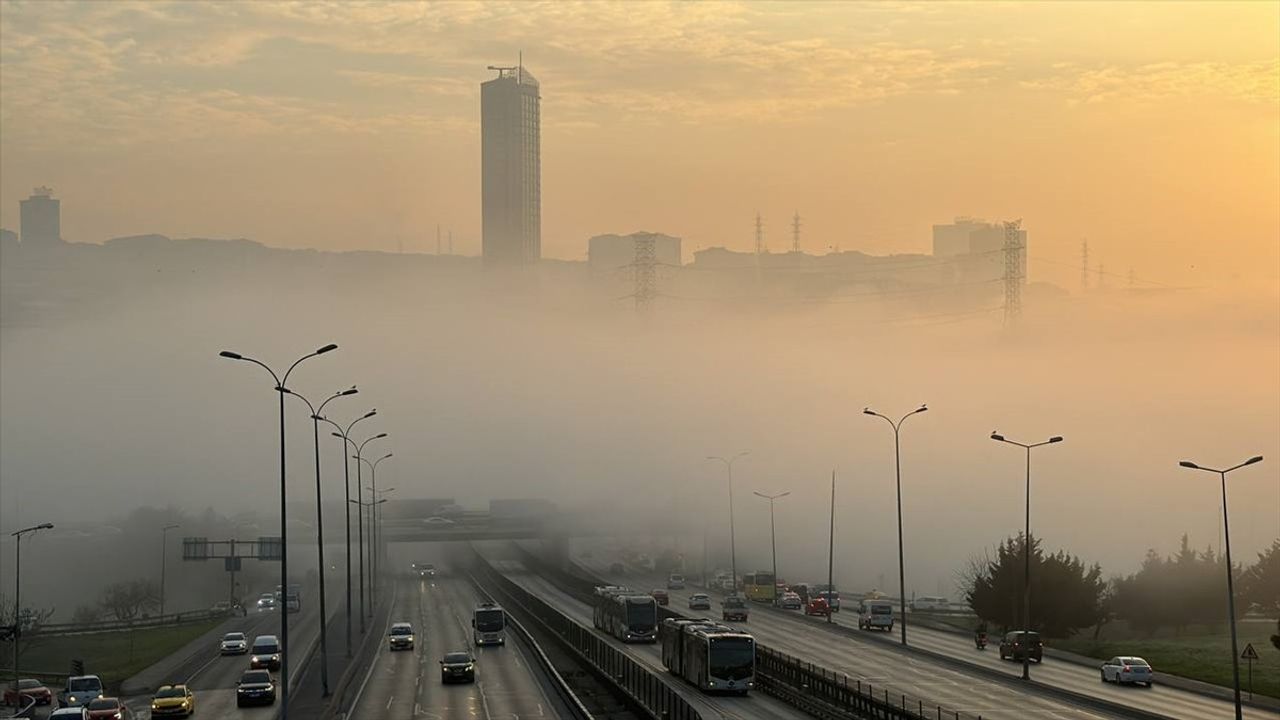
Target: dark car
{"type": "Point", "coordinates": [28, 687]}
{"type": "Point", "coordinates": [266, 653]}
{"type": "Point", "coordinates": [255, 688]}
{"type": "Point", "coordinates": [457, 666]}
{"type": "Point", "coordinates": [1018, 643]}
{"type": "Point", "coordinates": [107, 709]}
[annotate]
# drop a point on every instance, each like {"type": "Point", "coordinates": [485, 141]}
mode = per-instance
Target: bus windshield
{"type": "Point", "coordinates": [489, 620]}
{"type": "Point", "coordinates": [732, 658]}
{"type": "Point", "coordinates": [642, 615]}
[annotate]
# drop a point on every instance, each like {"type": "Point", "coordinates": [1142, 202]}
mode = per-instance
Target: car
{"type": "Point", "coordinates": [1128, 669]}
{"type": "Point", "coordinates": [699, 601]}
{"type": "Point", "coordinates": [1017, 643]}
{"type": "Point", "coordinates": [400, 636]}
{"type": "Point", "coordinates": [930, 603]}
{"type": "Point", "coordinates": [107, 708]}
{"type": "Point", "coordinates": [80, 690]}
{"type": "Point", "coordinates": [675, 581]}
{"type": "Point", "coordinates": [426, 570]}
{"type": "Point", "coordinates": [437, 520]}
{"type": "Point", "coordinates": [266, 602]}
{"type": "Point", "coordinates": [255, 688]}
{"type": "Point", "coordinates": [790, 601]}
{"type": "Point", "coordinates": [817, 606]}
{"type": "Point", "coordinates": [266, 653]}
{"type": "Point", "coordinates": [457, 666]}
{"type": "Point", "coordinates": [733, 608]}
{"type": "Point", "coordinates": [832, 597]}
{"type": "Point", "coordinates": [75, 713]}
{"type": "Point", "coordinates": [28, 687]}
{"type": "Point", "coordinates": [234, 643]}
{"type": "Point", "coordinates": [173, 701]}
{"type": "Point", "coordinates": [221, 607]}
{"type": "Point", "coordinates": [662, 596]}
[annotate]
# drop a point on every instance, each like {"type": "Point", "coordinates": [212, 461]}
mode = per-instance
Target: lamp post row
{"type": "Point", "coordinates": [344, 434]}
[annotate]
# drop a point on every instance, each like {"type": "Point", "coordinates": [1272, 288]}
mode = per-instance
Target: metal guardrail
{"type": "Point", "coordinates": [26, 711]}
{"type": "Point", "coordinates": [645, 688]}
{"type": "Point", "coordinates": [139, 624]}
{"type": "Point", "coordinates": [576, 708]}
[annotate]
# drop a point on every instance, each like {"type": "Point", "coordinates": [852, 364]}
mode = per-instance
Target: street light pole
{"type": "Point", "coordinates": [164, 551]}
{"type": "Point", "coordinates": [1026, 546]}
{"type": "Point", "coordinates": [360, 522]}
{"type": "Point", "coordinates": [284, 517]}
{"type": "Point", "coordinates": [375, 556]}
{"type": "Point", "coordinates": [344, 435]}
{"type": "Point", "coordinates": [1231, 593]}
{"type": "Point", "coordinates": [733, 548]}
{"type": "Point", "coordinates": [324, 612]}
{"type": "Point", "coordinates": [773, 542]}
{"type": "Point", "coordinates": [897, 462]}
{"type": "Point", "coordinates": [17, 597]}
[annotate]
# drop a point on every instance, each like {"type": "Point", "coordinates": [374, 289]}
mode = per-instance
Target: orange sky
{"type": "Point", "coordinates": [1151, 129]}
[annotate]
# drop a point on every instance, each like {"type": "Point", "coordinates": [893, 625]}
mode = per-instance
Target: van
{"type": "Point", "coordinates": [875, 615]}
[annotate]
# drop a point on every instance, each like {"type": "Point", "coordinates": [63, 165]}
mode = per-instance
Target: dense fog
{"type": "Point", "coordinates": [539, 385]}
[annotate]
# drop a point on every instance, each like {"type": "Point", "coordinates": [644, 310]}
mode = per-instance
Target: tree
{"type": "Point", "coordinates": [1184, 589]}
{"type": "Point", "coordinates": [31, 621]}
{"type": "Point", "coordinates": [86, 614]}
{"type": "Point", "coordinates": [1260, 583]}
{"type": "Point", "coordinates": [128, 599]}
{"type": "Point", "coordinates": [1065, 594]}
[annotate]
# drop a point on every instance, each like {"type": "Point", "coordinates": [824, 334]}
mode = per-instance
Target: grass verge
{"type": "Point", "coordinates": [113, 656]}
{"type": "Point", "coordinates": [1204, 656]}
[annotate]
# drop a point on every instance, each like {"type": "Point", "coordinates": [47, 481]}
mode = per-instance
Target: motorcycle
{"type": "Point", "coordinates": [980, 641]}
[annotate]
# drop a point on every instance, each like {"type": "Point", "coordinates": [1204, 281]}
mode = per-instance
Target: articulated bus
{"type": "Point", "coordinates": [758, 586]}
{"type": "Point", "coordinates": [714, 657]}
{"type": "Point", "coordinates": [489, 625]}
{"type": "Point", "coordinates": [626, 615]}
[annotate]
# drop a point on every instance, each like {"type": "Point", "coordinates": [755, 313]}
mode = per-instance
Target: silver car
{"type": "Point", "coordinates": [699, 601]}
{"type": "Point", "coordinates": [234, 643]}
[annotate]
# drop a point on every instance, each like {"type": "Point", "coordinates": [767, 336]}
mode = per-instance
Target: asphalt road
{"type": "Point", "coordinates": [406, 684]}
{"type": "Point", "coordinates": [756, 706]}
{"type": "Point", "coordinates": [876, 657]}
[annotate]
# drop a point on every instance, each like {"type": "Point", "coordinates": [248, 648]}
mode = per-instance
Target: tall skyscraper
{"type": "Point", "coordinates": [41, 217]}
{"type": "Point", "coordinates": [511, 168]}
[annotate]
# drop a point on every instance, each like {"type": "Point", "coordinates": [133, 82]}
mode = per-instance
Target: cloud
{"type": "Point", "coordinates": [1256, 82]}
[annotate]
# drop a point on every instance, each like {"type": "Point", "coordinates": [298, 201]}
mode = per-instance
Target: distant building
{"type": "Point", "coordinates": [41, 218]}
{"type": "Point", "coordinates": [511, 168]}
{"type": "Point", "coordinates": [977, 247]}
{"type": "Point", "coordinates": [610, 252]}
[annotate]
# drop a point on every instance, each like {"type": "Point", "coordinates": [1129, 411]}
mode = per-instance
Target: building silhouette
{"type": "Point", "coordinates": [41, 218]}
{"type": "Point", "coordinates": [511, 168]}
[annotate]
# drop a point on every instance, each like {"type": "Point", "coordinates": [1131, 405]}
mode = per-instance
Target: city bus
{"type": "Point", "coordinates": [759, 586]}
{"type": "Point", "coordinates": [714, 657]}
{"type": "Point", "coordinates": [489, 625]}
{"type": "Point", "coordinates": [626, 615]}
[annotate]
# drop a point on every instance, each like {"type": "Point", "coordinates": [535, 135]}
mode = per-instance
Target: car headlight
{"type": "Point", "coordinates": [73, 698]}
{"type": "Point", "coordinates": [469, 668]}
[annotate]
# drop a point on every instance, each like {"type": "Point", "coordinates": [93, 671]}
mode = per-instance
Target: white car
{"type": "Point", "coordinates": [1128, 669]}
{"type": "Point", "coordinates": [267, 602]}
{"type": "Point", "coordinates": [234, 643]}
{"type": "Point", "coordinates": [437, 520]}
{"type": "Point", "coordinates": [675, 581]}
{"type": "Point", "coordinates": [699, 601]}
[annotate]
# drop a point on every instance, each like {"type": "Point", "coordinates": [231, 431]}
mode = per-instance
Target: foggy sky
{"type": "Point", "coordinates": [357, 126]}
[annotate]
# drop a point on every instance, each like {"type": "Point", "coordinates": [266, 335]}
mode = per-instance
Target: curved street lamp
{"type": "Point", "coordinates": [360, 522]}
{"type": "Point", "coordinates": [164, 553]}
{"type": "Point", "coordinates": [897, 461]}
{"type": "Point", "coordinates": [324, 614]}
{"type": "Point", "coordinates": [773, 543]}
{"type": "Point", "coordinates": [280, 388]}
{"type": "Point", "coordinates": [375, 561]}
{"type": "Point", "coordinates": [733, 549]}
{"type": "Point", "coordinates": [1231, 593]}
{"type": "Point", "coordinates": [17, 591]}
{"type": "Point", "coordinates": [344, 436]}
{"type": "Point", "coordinates": [1026, 543]}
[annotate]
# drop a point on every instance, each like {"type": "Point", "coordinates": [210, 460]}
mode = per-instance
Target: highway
{"type": "Point", "coordinates": [406, 684]}
{"type": "Point", "coordinates": [869, 656]}
{"type": "Point", "coordinates": [756, 706]}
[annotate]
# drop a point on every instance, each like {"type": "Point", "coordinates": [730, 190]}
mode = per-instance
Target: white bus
{"type": "Point", "coordinates": [714, 657]}
{"type": "Point", "coordinates": [489, 625]}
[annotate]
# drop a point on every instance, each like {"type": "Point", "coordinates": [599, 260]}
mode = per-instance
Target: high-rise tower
{"type": "Point", "coordinates": [511, 168]}
{"type": "Point", "coordinates": [41, 218]}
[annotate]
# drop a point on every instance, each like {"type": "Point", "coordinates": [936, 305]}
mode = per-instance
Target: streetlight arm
{"type": "Point", "coordinates": [341, 393]}
{"type": "Point", "coordinates": [297, 362]}
{"type": "Point", "coordinates": [259, 363]}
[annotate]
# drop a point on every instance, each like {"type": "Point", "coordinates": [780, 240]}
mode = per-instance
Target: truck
{"type": "Point", "coordinates": [733, 609]}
